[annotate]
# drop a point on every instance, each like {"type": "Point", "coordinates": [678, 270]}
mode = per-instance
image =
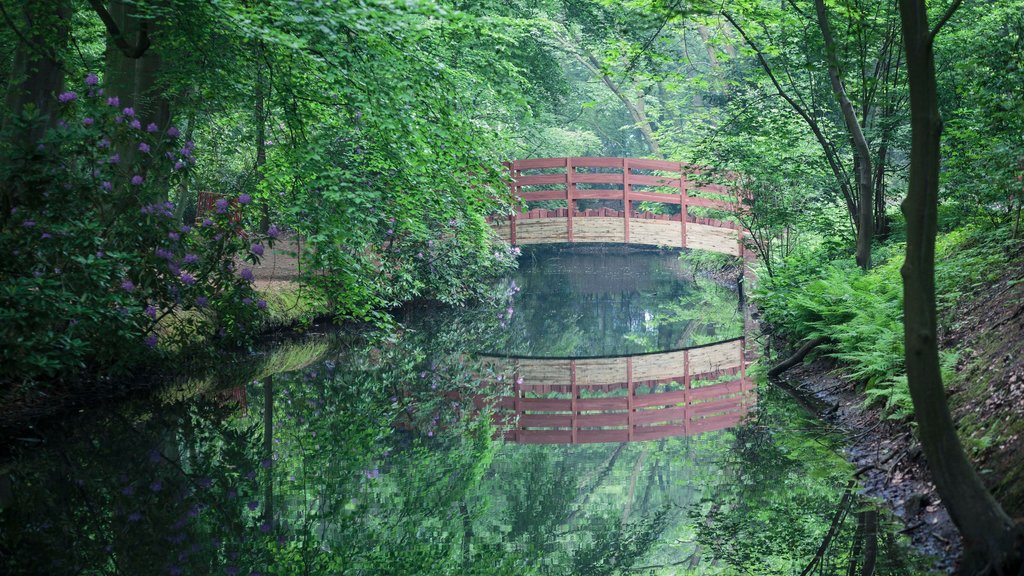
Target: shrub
{"type": "Point", "coordinates": [97, 273]}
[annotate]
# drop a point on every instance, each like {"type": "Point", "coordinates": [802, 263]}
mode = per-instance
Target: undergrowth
{"type": "Point", "coordinates": [861, 314]}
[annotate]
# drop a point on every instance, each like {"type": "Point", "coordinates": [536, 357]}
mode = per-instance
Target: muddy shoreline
{"type": "Point", "coordinates": [890, 464]}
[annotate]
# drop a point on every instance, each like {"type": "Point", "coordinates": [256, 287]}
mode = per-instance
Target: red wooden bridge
{"type": "Point", "coordinates": [625, 399]}
{"type": "Point", "coordinates": [708, 226]}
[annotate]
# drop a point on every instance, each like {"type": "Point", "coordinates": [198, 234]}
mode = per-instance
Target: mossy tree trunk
{"type": "Point", "coordinates": [990, 540]}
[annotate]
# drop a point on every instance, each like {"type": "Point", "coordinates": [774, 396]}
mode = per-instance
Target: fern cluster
{"type": "Point", "coordinates": [861, 314]}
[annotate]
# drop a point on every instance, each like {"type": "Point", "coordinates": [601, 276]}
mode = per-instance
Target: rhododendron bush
{"type": "Point", "coordinates": [97, 270]}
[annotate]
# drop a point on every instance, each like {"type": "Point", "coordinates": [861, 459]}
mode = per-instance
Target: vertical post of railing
{"type": "Point", "coordinates": [626, 191]}
{"type": "Point", "coordinates": [686, 391]}
{"type": "Point", "coordinates": [516, 404]}
{"type": "Point", "coordinates": [570, 188]}
{"type": "Point", "coordinates": [572, 403]}
{"type": "Point", "coordinates": [514, 188]}
{"type": "Point", "coordinates": [683, 209]}
{"type": "Point", "coordinates": [630, 396]}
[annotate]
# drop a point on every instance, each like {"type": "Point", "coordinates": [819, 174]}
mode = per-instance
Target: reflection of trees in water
{"type": "Point", "coordinates": [586, 304]}
{"type": "Point", "coordinates": [781, 508]}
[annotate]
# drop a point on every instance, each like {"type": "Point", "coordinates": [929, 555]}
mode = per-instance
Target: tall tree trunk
{"type": "Point", "coordinates": [133, 69]}
{"type": "Point", "coordinates": [862, 153]}
{"type": "Point", "coordinates": [990, 538]}
{"type": "Point", "coordinates": [37, 76]}
{"type": "Point", "coordinates": [268, 449]}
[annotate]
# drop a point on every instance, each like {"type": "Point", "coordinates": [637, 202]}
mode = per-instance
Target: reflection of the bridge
{"type": "Point", "coordinates": [625, 399]}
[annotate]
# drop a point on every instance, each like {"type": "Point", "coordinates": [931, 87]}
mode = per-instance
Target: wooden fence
{"type": "Point", "coordinates": [624, 399]}
{"type": "Point", "coordinates": [627, 180]}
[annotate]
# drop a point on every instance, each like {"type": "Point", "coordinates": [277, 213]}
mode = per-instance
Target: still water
{"type": "Point", "coordinates": [604, 424]}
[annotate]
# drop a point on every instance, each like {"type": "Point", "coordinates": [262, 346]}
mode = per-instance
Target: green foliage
{"type": "Point", "coordinates": [861, 314]}
{"type": "Point", "coordinates": [97, 269]}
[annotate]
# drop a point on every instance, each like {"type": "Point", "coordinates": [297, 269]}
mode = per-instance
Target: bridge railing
{"type": "Point", "coordinates": [627, 180]}
{"type": "Point", "coordinates": [624, 399]}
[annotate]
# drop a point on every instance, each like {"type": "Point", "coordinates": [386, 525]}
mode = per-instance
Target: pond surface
{"type": "Point", "coordinates": [338, 454]}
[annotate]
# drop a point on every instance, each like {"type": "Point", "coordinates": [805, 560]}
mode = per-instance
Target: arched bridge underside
{"type": "Point", "coordinates": [701, 221]}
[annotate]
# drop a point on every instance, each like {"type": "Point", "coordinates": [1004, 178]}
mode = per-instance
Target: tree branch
{"type": "Point", "coordinates": [942, 21]}
{"type": "Point", "coordinates": [115, 32]}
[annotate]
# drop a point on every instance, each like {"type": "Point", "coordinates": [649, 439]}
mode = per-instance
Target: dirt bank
{"type": "Point", "coordinates": [986, 329]}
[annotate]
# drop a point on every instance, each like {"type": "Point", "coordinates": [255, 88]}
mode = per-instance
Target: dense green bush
{"type": "Point", "coordinates": [97, 271]}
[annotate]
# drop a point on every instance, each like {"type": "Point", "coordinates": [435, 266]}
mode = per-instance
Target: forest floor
{"type": "Point", "coordinates": [986, 329]}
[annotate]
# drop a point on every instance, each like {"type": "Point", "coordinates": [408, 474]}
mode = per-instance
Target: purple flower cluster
{"type": "Point", "coordinates": [66, 97]}
{"type": "Point", "coordinates": [165, 209]}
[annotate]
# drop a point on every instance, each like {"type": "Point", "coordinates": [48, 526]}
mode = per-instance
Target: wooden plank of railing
{"type": "Point", "coordinates": [662, 415]}
{"type": "Point", "coordinates": [641, 180]}
{"type": "Point", "coordinates": [638, 164]}
{"type": "Point", "coordinates": [537, 163]}
{"type": "Point", "coordinates": [660, 399]}
{"type": "Point", "coordinates": [709, 203]}
{"type": "Point", "coordinates": [606, 403]}
{"type": "Point", "coordinates": [655, 197]}
{"type": "Point", "coordinates": [545, 404]}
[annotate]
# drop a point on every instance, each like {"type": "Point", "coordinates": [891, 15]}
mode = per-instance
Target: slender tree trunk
{"type": "Point", "coordinates": [260, 117]}
{"type": "Point", "coordinates": [862, 153]}
{"type": "Point", "coordinates": [635, 109]}
{"type": "Point", "coordinates": [990, 538]}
